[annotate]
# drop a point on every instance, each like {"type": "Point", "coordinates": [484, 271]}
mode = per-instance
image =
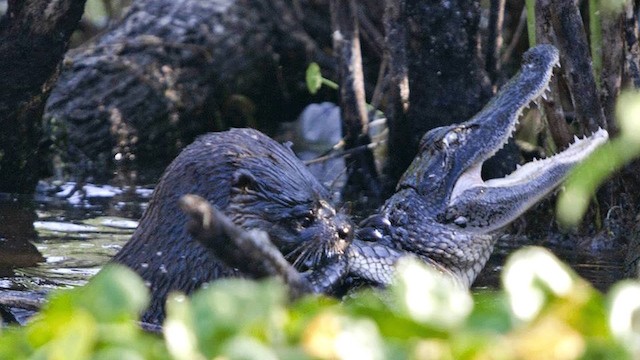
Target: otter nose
{"type": "Point", "coordinates": [344, 232]}
{"type": "Point", "coordinates": [344, 229]}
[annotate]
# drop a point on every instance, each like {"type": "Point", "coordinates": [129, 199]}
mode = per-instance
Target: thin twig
{"type": "Point", "coordinates": [370, 34]}
{"type": "Point", "coordinates": [612, 64]}
{"type": "Point", "coordinates": [344, 153]}
{"type": "Point", "coordinates": [517, 34]}
{"type": "Point", "coordinates": [633, 50]}
{"type": "Point", "coordinates": [574, 50]}
{"type": "Point", "coordinates": [558, 127]}
{"type": "Point", "coordinates": [362, 174]}
{"type": "Point", "coordinates": [494, 40]}
{"type": "Point", "coordinates": [250, 252]}
{"type": "Point", "coordinates": [397, 94]}
{"type": "Point", "coordinates": [381, 85]}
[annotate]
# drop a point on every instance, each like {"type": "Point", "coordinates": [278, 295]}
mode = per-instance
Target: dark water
{"type": "Point", "coordinates": [65, 233]}
{"type": "Point", "coordinates": [601, 266]}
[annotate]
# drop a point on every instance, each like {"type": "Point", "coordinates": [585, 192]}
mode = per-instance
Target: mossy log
{"type": "Point", "coordinates": [170, 70]}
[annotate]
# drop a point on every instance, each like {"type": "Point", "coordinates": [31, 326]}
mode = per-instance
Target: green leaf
{"type": "Point", "coordinates": [237, 306]}
{"type": "Point", "coordinates": [612, 7]}
{"type": "Point", "coordinates": [533, 276]}
{"type": "Point", "coordinates": [423, 316]}
{"type": "Point", "coordinates": [115, 292]}
{"type": "Point", "coordinates": [70, 338]}
{"type": "Point", "coordinates": [429, 297]}
{"type": "Point", "coordinates": [490, 313]}
{"type": "Point", "coordinates": [624, 314]}
{"type": "Point", "coordinates": [587, 176]}
{"type": "Point", "coordinates": [314, 78]}
{"type": "Point", "coordinates": [247, 348]}
{"type": "Point", "coordinates": [178, 329]}
{"type": "Point", "coordinates": [332, 335]}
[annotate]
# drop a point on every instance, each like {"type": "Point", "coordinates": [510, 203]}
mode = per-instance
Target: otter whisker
{"type": "Point", "coordinates": [308, 252]}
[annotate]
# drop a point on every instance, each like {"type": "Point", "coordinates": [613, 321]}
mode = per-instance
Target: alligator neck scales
{"type": "Point", "coordinates": [443, 211]}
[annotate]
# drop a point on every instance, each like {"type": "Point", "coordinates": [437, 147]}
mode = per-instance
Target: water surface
{"type": "Point", "coordinates": [66, 232]}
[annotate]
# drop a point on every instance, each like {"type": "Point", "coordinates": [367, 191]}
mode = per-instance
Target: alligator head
{"type": "Point", "coordinates": [443, 211]}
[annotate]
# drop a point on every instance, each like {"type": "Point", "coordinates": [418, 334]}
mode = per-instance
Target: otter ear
{"type": "Point", "coordinates": [243, 180]}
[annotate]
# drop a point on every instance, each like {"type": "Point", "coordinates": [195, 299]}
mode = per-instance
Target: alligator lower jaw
{"type": "Point", "coordinates": [575, 153]}
{"type": "Point", "coordinates": [534, 170]}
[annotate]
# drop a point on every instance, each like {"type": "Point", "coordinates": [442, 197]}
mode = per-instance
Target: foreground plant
{"type": "Point", "coordinates": [545, 311]}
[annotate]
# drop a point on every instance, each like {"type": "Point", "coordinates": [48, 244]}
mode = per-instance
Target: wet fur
{"type": "Point", "coordinates": [258, 183]}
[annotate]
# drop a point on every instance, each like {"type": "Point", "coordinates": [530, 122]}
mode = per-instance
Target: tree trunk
{"type": "Point", "coordinates": [34, 35]}
{"type": "Point", "coordinates": [447, 80]}
{"type": "Point", "coordinates": [362, 179]}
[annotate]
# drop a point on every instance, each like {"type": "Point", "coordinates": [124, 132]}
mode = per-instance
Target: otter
{"type": "Point", "coordinates": [256, 182]}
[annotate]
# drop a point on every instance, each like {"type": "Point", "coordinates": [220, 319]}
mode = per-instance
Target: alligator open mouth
{"type": "Point", "coordinates": [575, 153]}
{"type": "Point", "coordinates": [501, 200]}
{"type": "Point", "coordinates": [491, 204]}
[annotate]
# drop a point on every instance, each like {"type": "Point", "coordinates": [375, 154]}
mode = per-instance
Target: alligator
{"type": "Point", "coordinates": [443, 212]}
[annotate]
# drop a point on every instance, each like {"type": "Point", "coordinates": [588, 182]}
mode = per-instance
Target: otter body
{"type": "Point", "coordinates": [256, 182]}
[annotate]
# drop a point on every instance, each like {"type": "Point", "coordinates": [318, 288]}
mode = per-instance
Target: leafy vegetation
{"type": "Point", "coordinates": [609, 158]}
{"type": "Point", "coordinates": [545, 311]}
{"type": "Point", "coordinates": [315, 80]}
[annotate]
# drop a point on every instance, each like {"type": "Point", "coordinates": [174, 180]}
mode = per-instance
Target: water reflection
{"type": "Point", "coordinates": [65, 233]}
{"type": "Point", "coordinates": [17, 234]}
{"type": "Point", "coordinates": [602, 267]}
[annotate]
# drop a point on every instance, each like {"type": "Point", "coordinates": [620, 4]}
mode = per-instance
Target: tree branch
{"type": "Point", "coordinates": [361, 169]}
{"type": "Point", "coordinates": [574, 51]}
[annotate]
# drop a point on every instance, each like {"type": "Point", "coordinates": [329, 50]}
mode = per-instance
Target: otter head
{"type": "Point", "coordinates": [293, 208]}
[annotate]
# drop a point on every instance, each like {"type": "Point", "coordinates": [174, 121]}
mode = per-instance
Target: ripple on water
{"type": "Point", "coordinates": [65, 233]}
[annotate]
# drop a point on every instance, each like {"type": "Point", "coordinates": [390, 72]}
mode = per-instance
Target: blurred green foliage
{"type": "Point", "coordinates": [607, 159]}
{"type": "Point", "coordinates": [545, 312]}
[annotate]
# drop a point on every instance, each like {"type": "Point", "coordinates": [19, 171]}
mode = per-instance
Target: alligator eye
{"type": "Point", "coordinates": [451, 138]}
{"type": "Point", "coordinates": [461, 221]}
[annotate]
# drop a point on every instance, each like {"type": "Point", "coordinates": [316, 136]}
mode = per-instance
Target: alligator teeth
{"type": "Point", "coordinates": [544, 96]}
{"type": "Point", "coordinates": [576, 151]}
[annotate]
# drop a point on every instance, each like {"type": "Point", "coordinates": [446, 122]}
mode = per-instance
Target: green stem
{"type": "Point", "coordinates": [531, 21]}
{"type": "Point", "coordinates": [330, 84]}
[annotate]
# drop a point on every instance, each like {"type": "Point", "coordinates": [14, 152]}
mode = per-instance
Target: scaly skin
{"type": "Point", "coordinates": [442, 211]}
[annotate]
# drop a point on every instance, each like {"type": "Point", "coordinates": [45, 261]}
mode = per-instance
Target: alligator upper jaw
{"type": "Point", "coordinates": [490, 129]}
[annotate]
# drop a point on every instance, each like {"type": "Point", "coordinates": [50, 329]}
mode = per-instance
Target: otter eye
{"type": "Point", "coordinates": [307, 219]}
